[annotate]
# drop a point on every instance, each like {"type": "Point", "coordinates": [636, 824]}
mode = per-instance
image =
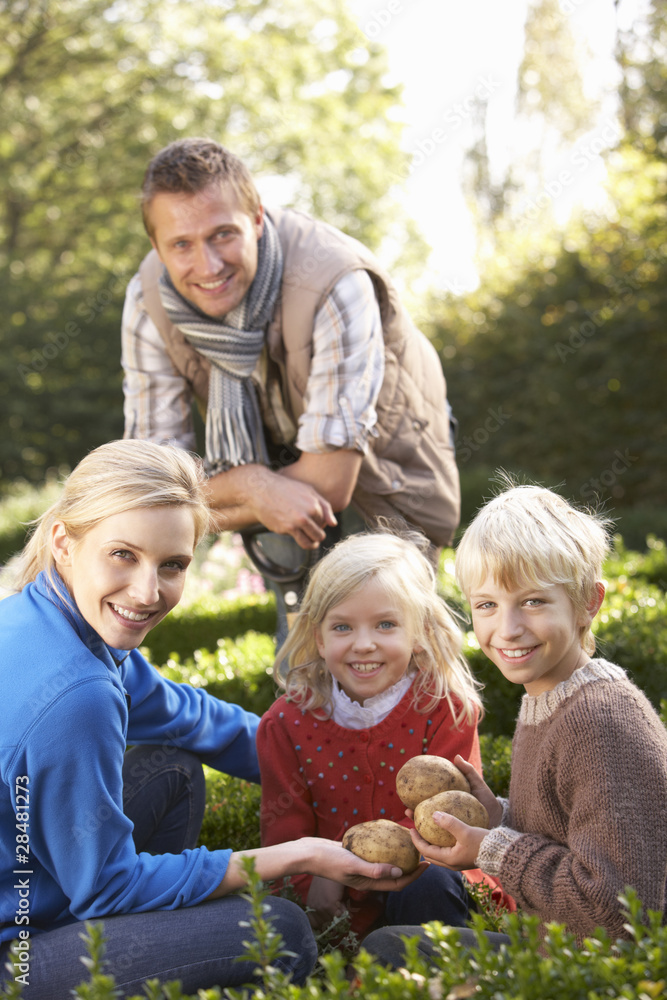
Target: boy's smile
{"type": "Point", "coordinates": [532, 634]}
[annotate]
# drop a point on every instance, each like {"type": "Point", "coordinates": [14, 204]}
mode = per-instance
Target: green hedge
{"type": "Point", "coordinates": [201, 625]}
{"type": "Point", "coordinates": [623, 970]}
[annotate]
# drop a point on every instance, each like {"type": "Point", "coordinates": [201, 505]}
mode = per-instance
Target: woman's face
{"type": "Point", "coordinates": [127, 572]}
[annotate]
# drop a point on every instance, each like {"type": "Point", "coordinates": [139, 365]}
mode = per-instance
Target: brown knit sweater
{"type": "Point", "coordinates": [587, 808]}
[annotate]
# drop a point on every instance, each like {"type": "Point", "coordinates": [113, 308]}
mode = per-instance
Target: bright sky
{"type": "Point", "coordinates": [445, 52]}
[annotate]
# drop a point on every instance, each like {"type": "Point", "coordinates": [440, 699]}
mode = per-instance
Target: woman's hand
{"type": "Point", "coordinates": [335, 862]}
{"type": "Point", "coordinates": [325, 899]}
{"type": "Point", "coordinates": [315, 856]}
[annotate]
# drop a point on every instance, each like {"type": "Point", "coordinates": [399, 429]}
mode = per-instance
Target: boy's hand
{"type": "Point", "coordinates": [481, 791]}
{"type": "Point", "coordinates": [463, 854]}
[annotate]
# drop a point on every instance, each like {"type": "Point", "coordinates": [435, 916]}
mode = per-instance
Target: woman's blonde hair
{"type": "Point", "coordinates": [409, 580]}
{"type": "Point", "coordinates": [116, 477]}
{"type": "Point", "coordinates": [530, 536]}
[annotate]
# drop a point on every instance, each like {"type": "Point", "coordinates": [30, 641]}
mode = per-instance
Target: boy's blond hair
{"type": "Point", "coordinates": [409, 581]}
{"type": "Point", "coordinates": [531, 536]}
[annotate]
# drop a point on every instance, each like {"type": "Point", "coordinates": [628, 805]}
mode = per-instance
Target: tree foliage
{"type": "Point", "coordinates": [91, 90]}
{"type": "Point", "coordinates": [555, 363]}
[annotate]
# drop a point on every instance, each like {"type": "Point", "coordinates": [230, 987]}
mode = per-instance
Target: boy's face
{"type": "Point", "coordinates": [532, 634]}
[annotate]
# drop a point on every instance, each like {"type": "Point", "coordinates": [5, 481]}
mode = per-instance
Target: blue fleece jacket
{"type": "Point", "coordinates": [69, 705]}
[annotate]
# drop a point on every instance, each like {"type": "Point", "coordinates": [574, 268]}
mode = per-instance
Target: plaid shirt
{"type": "Point", "coordinates": [346, 373]}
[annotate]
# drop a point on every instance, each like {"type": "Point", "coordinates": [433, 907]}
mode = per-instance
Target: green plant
{"type": "Point", "coordinates": [496, 762]}
{"type": "Point", "coordinates": [21, 505]}
{"type": "Point", "coordinates": [266, 944]}
{"type": "Point", "coordinates": [231, 814]}
{"type": "Point", "coordinates": [200, 625]}
{"type": "Point", "coordinates": [239, 671]}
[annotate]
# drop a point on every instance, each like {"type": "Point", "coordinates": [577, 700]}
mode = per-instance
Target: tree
{"type": "Point", "coordinates": [91, 90]}
{"type": "Point", "coordinates": [555, 363]}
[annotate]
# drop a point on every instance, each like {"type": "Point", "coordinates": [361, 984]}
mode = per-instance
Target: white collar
{"type": "Point", "coordinates": [351, 715]}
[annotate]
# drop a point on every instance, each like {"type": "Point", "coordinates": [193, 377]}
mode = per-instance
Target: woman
{"type": "Point", "coordinates": [89, 830]}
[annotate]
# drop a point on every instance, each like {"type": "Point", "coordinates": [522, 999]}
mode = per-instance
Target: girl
{"type": "Point", "coordinates": [375, 677]}
{"type": "Point", "coordinates": [88, 830]}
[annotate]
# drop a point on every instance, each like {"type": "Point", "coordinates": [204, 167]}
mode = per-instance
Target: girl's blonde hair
{"type": "Point", "coordinates": [116, 477]}
{"type": "Point", "coordinates": [409, 580]}
{"type": "Point", "coordinates": [530, 536]}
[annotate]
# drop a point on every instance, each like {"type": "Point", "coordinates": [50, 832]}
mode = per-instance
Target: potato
{"type": "Point", "coordinates": [422, 777]}
{"type": "Point", "coordinates": [384, 841]}
{"type": "Point", "coordinates": [460, 804]}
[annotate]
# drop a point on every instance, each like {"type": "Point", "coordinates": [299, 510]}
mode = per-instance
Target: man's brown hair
{"type": "Point", "coordinates": [190, 165]}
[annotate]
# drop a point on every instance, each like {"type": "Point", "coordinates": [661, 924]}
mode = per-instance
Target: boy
{"type": "Point", "coordinates": [586, 814]}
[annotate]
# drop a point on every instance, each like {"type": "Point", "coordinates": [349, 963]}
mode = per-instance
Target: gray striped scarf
{"type": "Point", "coordinates": [234, 434]}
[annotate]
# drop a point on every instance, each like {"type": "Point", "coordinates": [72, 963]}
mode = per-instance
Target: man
{"type": "Point", "coordinates": [320, 395]}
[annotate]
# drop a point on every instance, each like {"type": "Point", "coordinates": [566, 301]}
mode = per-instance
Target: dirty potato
{"type": "Point", "coordinates": [460, 804]}
{"type": "Point", "coordinates": [422, 777]}
{"type": "Point", "coordinates": [384, 841]}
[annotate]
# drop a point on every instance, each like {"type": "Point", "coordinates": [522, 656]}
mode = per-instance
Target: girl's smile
{"type": "Point", "coordinates": [128, 571]}
{"type": "Point", "coordinates": [365, 642]}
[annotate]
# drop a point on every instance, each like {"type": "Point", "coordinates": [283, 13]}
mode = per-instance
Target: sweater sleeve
{"type": "Point", "coordinates": [78, 831]}
{"type": "Point", "coordinates": [286, 811]}
{"type": "Point", "coordinates": [287, 807]}
{"type": "Point", "coordinates": [161, 711]}
{"type": "Point", "coordinates": [609, 783]}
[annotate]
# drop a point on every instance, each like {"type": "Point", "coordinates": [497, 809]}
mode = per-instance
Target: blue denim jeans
{"type": "Point", "coordinates": [438, 894]}
{"type": "Point", "coordinates": [164, 795]}
{"type": "Point", "coordinates": [387, 947]}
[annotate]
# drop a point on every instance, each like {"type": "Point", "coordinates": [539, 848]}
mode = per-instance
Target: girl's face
{"type": "Point", "coordinates": [365, 642]}
{"type": "Point", "coordinates": [128, 571]}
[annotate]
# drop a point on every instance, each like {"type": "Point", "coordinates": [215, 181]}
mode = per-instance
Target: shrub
{"type": "Point", "coordinates": [635, 969]}
{"type": "Point", "coordinates": [201, 624]}
{"type": "Point", "coordinates": [22, 504]}
{"type": "Point", "coordinates": [231, 815]}
{"type": "Point", "coordinates": [238, 671]}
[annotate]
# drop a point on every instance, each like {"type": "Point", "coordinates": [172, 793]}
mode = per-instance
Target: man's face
{"type": "Point", "coordinates": [208, 243]}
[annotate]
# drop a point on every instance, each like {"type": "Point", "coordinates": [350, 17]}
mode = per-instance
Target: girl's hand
{"type": "Point", "coordinates": [326, 899]}
{"type": "Point", "coordinates": [481, 791]}
{"type": "Point", "coordinates": [463, 854]}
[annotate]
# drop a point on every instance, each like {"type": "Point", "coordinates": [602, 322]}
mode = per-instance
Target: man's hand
{"type": "Point", "coordinates": [251, 494]}
{"type": "Point", "coordinates": [333, 861]}
{"type": "Point", "coordinates": [294, 508]}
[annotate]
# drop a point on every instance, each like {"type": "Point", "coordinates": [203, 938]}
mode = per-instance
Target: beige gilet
{"type": "Point", "coordinates": [410, 468]}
